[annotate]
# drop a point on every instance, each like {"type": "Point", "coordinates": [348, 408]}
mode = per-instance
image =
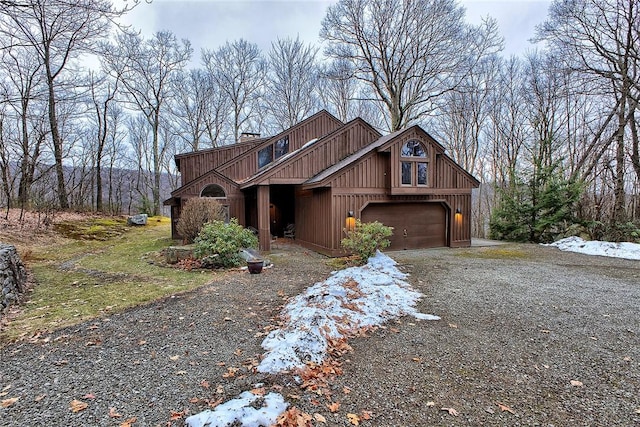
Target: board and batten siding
{"type": "Point", "coordinates": [314, 127]}
{"type": "Point", "coordinates": [313, 219]}
{"type": "Point", "coordinates": [323, 153]}
{"type": "Point", "coordinates": [197, 163]}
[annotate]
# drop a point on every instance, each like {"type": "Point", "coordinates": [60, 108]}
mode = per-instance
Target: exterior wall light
{"type": "Point", "coordinates": [350, 222]}
{"type": "Point", "coordinates": [458, 217]}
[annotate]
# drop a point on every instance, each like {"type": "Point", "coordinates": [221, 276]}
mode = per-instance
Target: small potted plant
{"type": "Point", "coordinates": [255, 265]}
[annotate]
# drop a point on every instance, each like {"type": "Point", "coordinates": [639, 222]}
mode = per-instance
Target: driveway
{"type": "Point", "coordinates": [529, 336]}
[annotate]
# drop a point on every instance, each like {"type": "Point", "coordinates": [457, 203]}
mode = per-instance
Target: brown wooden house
{"type": "Point", "coordinates": [321, 171]}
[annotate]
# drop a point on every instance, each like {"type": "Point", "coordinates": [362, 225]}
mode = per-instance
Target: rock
{"type": "Point", "coordinates": [139, 219]}
{"type": "Point", "coordinates": [13, 276]}
{"type": "Point", "coordinates": [174, 254]}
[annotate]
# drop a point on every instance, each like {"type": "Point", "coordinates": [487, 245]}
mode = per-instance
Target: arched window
{"type": "Point", "coordinates": [413, 148]}
{"type": "Point", "coordinates": [213, 190]}
{"type": "Point", "coordinates": [414, 164]}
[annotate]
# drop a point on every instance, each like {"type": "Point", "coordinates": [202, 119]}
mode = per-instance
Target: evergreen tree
{"type": "Point", "coordinates": [536, 210]}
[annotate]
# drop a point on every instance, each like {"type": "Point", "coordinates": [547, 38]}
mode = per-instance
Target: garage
{"type": "Point", "coordinates": [415, 225]}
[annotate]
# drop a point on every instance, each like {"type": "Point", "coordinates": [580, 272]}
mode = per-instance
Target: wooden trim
{"type": "Point", "coordinates": [333, 253]}
{"type": "Point", "coordinates": [430, 191]}
{"type": "Point", "coordinates": [349, 191]}
{"type": "Point", "coordinates": [264, 227]}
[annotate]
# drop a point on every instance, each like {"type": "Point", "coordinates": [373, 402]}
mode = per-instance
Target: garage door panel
{"type": "Point", "coordinates": [416, 225]}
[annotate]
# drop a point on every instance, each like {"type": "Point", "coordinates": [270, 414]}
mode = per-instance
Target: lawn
{"type": "Point", "coordinates": [94, 267]}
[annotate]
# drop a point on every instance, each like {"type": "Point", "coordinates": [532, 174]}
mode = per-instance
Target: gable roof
{"type": "Point", "coordinates": [381, 144]}
{"type": "Point", "coordinates": [205, 177]}
{"type": "Point", "coordinates": [267, 141]}
{"type": "Point", "coordinates": [310, 145]}
{"type": "Point", "coordinates": [352, 158]}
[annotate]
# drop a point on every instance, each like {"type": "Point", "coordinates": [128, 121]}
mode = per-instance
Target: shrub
{"type": "Point", "coordinates": [366, 238]}
{"type": "Point", "coordinates": [218, 244]}
{"type": "Point", "coordinates": [196, 213]}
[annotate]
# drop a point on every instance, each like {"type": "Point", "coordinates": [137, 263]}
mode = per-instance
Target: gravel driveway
{"type": "Point", "coordinates": [529, 336]}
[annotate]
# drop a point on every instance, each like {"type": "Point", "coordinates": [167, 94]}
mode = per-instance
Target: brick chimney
{"type": "Point", "coordinates": [248, 136]}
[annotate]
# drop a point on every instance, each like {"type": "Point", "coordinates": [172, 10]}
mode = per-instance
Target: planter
{"type": "Point", "coordinates": [255, 267]}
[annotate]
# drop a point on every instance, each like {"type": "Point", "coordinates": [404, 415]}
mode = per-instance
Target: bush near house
{"type": "Point", "coordinates": [218, 244]}
{"type": "Point", "coordinates": [197, 212]}
{"type": "Point", "coordinates": [366, 238]}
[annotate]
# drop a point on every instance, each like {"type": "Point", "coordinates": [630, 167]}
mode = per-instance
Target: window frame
{"type": "Point", "coordinates": [414, 153]}
{"type": "Point", "coordinates": [276, 150]}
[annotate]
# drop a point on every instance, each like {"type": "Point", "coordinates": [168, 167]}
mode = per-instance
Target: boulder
{"type": "Point", "coordinates": [175, 254]}
{"type": "Point", "coordinates": [139, 219]}
{"type": "Point", "coordinates": [13, 276]}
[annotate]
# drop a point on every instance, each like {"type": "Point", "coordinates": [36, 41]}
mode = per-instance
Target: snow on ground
{"type": "Point", "coordinates": [595, 247]}
{"type": "Point", "coordinates": [349, 299]}
{"type": "Point", "coordinates": [240, 410]}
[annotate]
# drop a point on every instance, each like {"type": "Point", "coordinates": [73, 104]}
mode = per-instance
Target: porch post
{"type": "Point", "coordinates": [264, 226]}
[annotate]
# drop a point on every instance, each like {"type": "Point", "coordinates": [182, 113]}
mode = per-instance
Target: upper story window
{"type": "Point", "coordinates": [273, 152]}
{"type": "Point", "coordinates": [413, 149]}
{"type": "Point", "coordinates": [414, 165]}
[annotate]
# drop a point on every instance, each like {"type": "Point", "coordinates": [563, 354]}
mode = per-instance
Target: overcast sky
{"type": "Point", "coordinates": [210, 23]}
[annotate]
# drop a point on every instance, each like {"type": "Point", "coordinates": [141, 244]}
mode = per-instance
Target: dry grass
{"type": "Point", "coordinates": [85, 266]}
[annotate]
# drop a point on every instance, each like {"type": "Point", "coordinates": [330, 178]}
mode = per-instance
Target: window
{"type": "Point", "coordinates": [265, 156]}
{"type": "Point", "coordinates": [422, 173]}
{"type": "Point", "coordinates": [413, 149]}
{"type": "Point", "coordinates": [213, 190]}
{"type": "Point", "coordinates": [406, 173]}
{"type": "Point", "coordinates": [414, 168]}
{"type": "Point", "coordinates": [281, 147]}
{"type": "Point", "coordinates": [273, 152]}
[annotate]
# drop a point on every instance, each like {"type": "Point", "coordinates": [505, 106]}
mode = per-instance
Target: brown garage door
{"type": "Point", "coordinates": [415, 225]}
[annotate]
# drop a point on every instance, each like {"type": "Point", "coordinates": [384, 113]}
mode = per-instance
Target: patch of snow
{"type": "Point", "coordinates": [308, 143]}
{"type": "Point", "coordinates": [349, 299]}
{"type": "Point", "coordinates": [240, 410]}
{"type": "Point", "coordinates": [595, 247]}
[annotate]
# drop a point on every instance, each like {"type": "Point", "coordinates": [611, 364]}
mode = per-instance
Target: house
{"type": "Point", "coordinates": [321, 171]}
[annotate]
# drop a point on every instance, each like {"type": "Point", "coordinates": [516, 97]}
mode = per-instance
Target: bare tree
{"type": "Point", "coordinates": [409, 52]}
{"type": "Point", "coordinates": [239, 71]}
{"type": "Point", "coordinates": [24, 93]}
{"type": "Point", "coordinates": [292, 81]}
{"type": "Point", "coordinates": [199, 109]}
{"type": "Point", "coordinates": [145, 68]}
{"type": "Point", "coordinates": [103, 98]}
{"type": "Point", "coordinates": [338, 89]}
{"type": "Point", "coordinates": [463, 116]}
{"type": "Point", "coordinates": [57, 32]}
{"type": "Point", "coordinates": [599, 39]}
{"type": "Point", "coordinates": [507, 132]}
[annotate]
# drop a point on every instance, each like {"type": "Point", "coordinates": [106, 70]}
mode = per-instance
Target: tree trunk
{"type": "Point", "coordinates": [57, 141]}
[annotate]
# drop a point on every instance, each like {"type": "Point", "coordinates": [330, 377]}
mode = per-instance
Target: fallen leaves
{"type": "Point", "coordinates": [293, 417]}
{"type": "Point", "coordinates": [129, 422]}
{"type": "Point", "coordinates": [113, 413]}
{"type": "Point", "coordinates": [576, 383]}
{"type": "Point", "coordinates": [354, 419]}
{"type": "Point", "coordinates": [319, 418]}
{"type": "Point", "coordinates": [333, 406]}
{"type": "Point", "coordinates": [451, 411]}
{"type": "Point", "coordinates": [9, 402]}
{"type": "Point", "coordinates": [77, 406]}
{"type": "Point", "coordinates": [505, 408]}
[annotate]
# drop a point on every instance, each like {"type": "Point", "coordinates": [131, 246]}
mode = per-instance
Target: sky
{"type": "Point", "coordinates": [210, 23]}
